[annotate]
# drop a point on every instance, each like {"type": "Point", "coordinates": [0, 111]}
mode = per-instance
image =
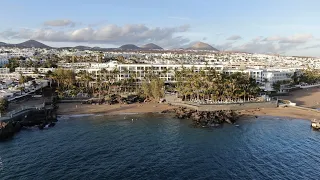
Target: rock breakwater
{"type": "Point", "coordinates": [207, 118]}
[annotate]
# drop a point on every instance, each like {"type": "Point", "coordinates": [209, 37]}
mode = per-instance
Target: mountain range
{"type": "Point", "coordinates": [26, 44]}
{"type": "Point", "coordinates": [150, 46]}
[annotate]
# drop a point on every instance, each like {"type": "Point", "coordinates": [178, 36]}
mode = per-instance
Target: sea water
{"type": "Point", "coordinates": [162, 147]}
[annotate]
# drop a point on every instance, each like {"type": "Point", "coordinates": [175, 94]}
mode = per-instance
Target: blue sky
{"type": "Point", "coordinates": [264, 26]}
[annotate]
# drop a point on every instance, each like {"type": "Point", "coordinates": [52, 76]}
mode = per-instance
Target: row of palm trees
{"type": "Point", "coordinates": [97, 84]}
{"type": "Point", "coordinates": [209, 85]}
{"type": "Point", "coordinates": [190, 84]}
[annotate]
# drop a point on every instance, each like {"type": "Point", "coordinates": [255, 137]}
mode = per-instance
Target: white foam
{"type": "Point", "coordinates": [128, 113]}
{"type": "Point", "coordinates": [75, 115]}
{"type": "Point", "coordinates": [1, 164]}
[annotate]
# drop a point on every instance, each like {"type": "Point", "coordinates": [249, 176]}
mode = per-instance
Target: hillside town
{"type": "Point", "coordinates": [273, 73]}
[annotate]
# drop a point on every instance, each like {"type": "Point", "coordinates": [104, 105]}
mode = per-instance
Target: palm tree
{"type": "Point", "coordinates": [207, 83]}
{"type": "Point", "coordinates": [22, 81]}
{"type": "Point", "coordinates": [4, 103]}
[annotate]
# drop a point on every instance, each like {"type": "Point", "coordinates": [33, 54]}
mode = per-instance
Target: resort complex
{"type": "Point", "coordinates": [271, 72]}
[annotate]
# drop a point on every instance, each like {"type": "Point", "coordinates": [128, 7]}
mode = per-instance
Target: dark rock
{"type": "Point", "coordinates": [52, 124]}
{"type": "Point", "coordinates": [17, 127]}
{"type": "Point", "coordinates": [41, 126]}
{"type": "Point", "coordinates": [167, 111]}
{"type": "Point", "coordinates": [7, 131]}
{"type": "Point", "coordinates": [207, 119]}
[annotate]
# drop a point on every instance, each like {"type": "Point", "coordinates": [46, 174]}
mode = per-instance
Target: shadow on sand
{"type": "Point", "coordinates": [304, 97]}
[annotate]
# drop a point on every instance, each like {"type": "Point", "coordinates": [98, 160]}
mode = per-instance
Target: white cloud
{"type": "Point", "coordinates": [296, 39]}
{"type": "Point", "coordinates": [275, 44]}
{"type": "Point", "coordinates": [234, 38]}
{"type": "Point", "coordinates": [273, 38]}
{"type": "Point", "coordinates": [224, 46]}
{"type": "Point", "coordinates": [258, 47]}
{"type": "Point", "coordinates": [109, 34]}
{"type": "Point", "coordinates": [59, 22]}
{"type": "Point", "coordinates": [8, 33]}
{"type": "Point", "coordinates": [312, 47]}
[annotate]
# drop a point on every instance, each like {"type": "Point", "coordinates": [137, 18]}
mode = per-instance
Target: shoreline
{"type": "Point", "coordinates": [307, 98]}
{"type": "Point", "coordinates": [285, 112]}
{"type": "Point", "coordinates": [77, 109]}
{"type": "Point", "coordinates": [116, 109]}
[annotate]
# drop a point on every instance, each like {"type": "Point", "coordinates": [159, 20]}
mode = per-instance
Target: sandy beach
{"type": "Point", "coordinates": [305, 98]}
{"type": "Point", "coordinates": [289, 112]}
{"type": "Point", "coordinates": [77, 108]}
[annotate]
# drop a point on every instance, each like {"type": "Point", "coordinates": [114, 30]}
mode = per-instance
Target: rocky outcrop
{"type": "Point", "coordinates": [7, 130]}
{"type": "Point", "coordinates": [41, 118]}
{"type": "Point", "coordinates": [207, 118]}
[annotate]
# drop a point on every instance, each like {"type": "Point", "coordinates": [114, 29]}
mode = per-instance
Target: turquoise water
{"type": "Point", "coordinates": [162, 147]}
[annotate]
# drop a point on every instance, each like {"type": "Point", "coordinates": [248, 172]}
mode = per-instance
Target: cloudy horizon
{"type": "Point", "coordinates": [255, 27]}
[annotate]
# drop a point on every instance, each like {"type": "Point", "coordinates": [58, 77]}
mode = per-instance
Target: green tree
{"type": "Point", "coordinates": [4, 104]}
{"type": "Point", "coordinates": [153, 89]}
{"type": "Point", "coordinates": [12, 65]}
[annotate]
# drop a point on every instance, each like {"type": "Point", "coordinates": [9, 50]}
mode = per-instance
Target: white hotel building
{"type": "Point", "coordinates": [265, 77]}
{"type": "Point", "coordinates": [165, 71]}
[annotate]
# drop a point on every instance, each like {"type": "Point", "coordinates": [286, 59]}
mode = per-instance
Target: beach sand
{"type": "Point", "coordinates": [305, 97]}
{"type": "Point", "coordinates": [77, 108]}
{"type": "Point", "coordinates": [289, 112]}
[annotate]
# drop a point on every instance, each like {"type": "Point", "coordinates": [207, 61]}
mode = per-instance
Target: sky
{"type": "Point", "coordinates": [285, 27]}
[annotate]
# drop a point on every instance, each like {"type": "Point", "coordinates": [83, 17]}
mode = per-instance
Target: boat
{"type": "Point", "coordinates": [315, 124]}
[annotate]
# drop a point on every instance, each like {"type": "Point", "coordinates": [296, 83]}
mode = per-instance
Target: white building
{"type": "Point", "coordinates": [272, 76]}
{"type": "Point", "coordinates": [45, 70]}
{"type": "Point", "coordinates": [4, 70]}
{"type": "Point", "coordinates": [74, 65]}
{"type": "Point", "coordinates": [24, 70]}
{"type": "Point", "coordinates": [10, 76]}
{"type": "Point", "coordinates": [164, 71]}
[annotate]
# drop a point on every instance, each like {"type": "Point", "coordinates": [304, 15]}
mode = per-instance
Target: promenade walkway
{"type": "Point", "coordinates": [227, 106]}
{"type": "Point", "coordinates": [18, 112]}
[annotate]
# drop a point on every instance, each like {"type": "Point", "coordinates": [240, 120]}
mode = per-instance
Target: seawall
{"type": "Point", "coordinates": [237, 106]}
{"type": "Point", "coordinates": [227, 107]}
